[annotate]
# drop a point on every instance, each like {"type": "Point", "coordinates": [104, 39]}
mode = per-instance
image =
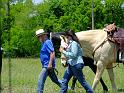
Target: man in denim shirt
{"type": "Point", "coordinates": [73, 54]}
{"type": "Point", "coordinates": [47, 57]}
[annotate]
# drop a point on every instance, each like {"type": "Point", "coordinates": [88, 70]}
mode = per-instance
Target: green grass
{"type": "Point", "coordinates": [25, 72]}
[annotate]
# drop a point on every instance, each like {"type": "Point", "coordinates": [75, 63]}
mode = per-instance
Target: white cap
{"type": "Point", "coordinates": [40, 32]}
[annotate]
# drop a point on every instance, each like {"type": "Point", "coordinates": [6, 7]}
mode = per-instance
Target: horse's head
{"type": "Point", "coordinates": [59, 40]}
{"type": "Point", "coordinates": [56, 43]}
{"type": "Point", "coordinates": [63, 41]}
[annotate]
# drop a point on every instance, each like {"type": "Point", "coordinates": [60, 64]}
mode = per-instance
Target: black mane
{"type": "Point", "coordinates": [56, 42]}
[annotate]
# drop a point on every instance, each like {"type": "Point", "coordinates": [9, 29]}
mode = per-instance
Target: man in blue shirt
{"type": "Point", "coordinates": [47, 57]}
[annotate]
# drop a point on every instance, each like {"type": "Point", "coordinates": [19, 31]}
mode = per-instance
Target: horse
{"type": "Point", "coordinates": [56, 39]}
{"type": "Point", "coordinates": [97, 46]}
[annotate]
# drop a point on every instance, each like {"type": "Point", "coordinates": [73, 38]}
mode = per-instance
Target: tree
{"type": "Point", "coordinates": [56, 16]}
{"type": "Point", "coordinates": [2, 14]}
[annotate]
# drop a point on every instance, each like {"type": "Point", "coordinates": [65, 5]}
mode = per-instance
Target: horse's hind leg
{"type": "Point", "coordinates": [111, 76]}
{"type": "Point", "coordinates": [99, 72]}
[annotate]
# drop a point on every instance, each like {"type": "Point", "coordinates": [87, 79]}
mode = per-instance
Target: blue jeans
{"type": "Point", "coordinates": [75, 70]}
{"type": "Point", "coordinates": [42, 77]}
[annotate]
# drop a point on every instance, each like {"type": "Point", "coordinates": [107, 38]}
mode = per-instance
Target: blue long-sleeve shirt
{"type": "Point", "coordinates": [73, 53]}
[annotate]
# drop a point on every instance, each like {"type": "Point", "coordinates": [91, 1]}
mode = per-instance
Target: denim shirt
{"type": "Point", "coordinates": [73, 53]}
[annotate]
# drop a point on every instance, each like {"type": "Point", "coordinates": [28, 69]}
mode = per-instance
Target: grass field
{"type": "Point", "coordinates": [25, 71]}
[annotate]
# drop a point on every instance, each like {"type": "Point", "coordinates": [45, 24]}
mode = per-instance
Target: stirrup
{"type": "Point", "coordinates": [121, 58]}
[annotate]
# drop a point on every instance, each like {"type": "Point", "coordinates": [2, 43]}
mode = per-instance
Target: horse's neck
{"type": "Point", "coordinates": [90, 39]}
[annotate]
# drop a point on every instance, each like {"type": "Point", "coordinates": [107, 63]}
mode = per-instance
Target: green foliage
{"type": "Point", "coordinates": [56, 16]}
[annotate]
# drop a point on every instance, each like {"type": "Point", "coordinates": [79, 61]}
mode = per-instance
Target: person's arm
{"type": "Point", "coordinates": [52, 55]}
{"type": "Point", "coordinates": [50, 49]}
{"type": "Point", "coordinates": [74, 51]}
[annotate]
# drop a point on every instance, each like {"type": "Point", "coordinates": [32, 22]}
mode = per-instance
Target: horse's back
{"type": "Point", "coordinates": [91, 34]}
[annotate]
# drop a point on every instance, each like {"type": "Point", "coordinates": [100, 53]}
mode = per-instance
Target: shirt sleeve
{"type": "Point", "coordinates": [49, 46]}
{"type": "Point", "coordinates": [74, 50]}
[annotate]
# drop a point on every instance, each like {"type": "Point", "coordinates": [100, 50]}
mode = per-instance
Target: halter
{"type": "Point", "coordinates": [99, 46]}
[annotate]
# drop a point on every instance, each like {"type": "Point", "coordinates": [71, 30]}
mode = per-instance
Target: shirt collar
{"type": "Point", "coordinates": [70, 41]}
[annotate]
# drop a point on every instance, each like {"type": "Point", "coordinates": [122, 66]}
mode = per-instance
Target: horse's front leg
{"type": "Point", "coordinates": [90, 62]}
{"type": "Point", "coordinates": [111, 76]}
{"type": "Point", "coordinates": [73, 82]}
{"type": "Point", "coordinates": [94, 68]}
{"type": "Point", "coordinates": [99, 72]}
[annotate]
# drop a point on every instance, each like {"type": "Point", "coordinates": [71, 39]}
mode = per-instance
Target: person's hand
{"type": "Point", "coordinates": [61, 49]}
{"type": "Point", "coordinates": [63, 44]}
{"type": "Point", "coordinates": [49, 67]}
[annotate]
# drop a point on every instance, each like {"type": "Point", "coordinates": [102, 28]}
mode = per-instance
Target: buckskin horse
{"type": "Point", "coordinates": [55, 37]}
{"type": "Point", "coordinates": [102, 47]}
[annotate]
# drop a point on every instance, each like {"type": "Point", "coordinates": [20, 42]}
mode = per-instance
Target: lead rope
{"type": "Point", "coordinates": [51, 36]}
{"type": "Point", "coordinates": [98, 47]}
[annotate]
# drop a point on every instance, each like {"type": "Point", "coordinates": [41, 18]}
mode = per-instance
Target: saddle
{"type": "Point", "coordinates": [116, 35]}
{"type": "Point", "coordinates": [119, 37]}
